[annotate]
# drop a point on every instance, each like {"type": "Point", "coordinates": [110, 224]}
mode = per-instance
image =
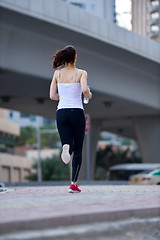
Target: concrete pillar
{"type": "Point", "coordinates": [148, 136]}
{"type": "Point", "coordinates": [22, 176]}
{"type": "Point", "coordinates": [94, 137]}
{"type": "Point", "coordinates": [12, 179]}
{"type": "Point", "coordinates": [1, 173]}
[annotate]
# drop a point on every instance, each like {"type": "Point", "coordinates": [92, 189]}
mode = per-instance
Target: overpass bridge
{"type": "Point", "coordinates": [123, 69]}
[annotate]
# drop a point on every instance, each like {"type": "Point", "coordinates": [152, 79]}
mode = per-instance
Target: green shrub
{"type": "Point", "coordinates": [52, 169]}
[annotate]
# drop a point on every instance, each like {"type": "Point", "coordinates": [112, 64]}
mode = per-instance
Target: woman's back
{"type": "Point", "coordinates": [69, 75]}
{"type": "Point", "coordinates": [69, 89]}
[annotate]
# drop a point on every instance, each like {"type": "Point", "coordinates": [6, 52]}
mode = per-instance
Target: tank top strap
{"type": "Point", "coordinates": [58, 77]}
{"type": "Point", "coordinates": [77, 76]}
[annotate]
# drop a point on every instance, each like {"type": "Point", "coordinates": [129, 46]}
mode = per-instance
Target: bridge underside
{"type": "Point", "coordinates": [30, 94]}
{"type": "Point", "coordinates": [121, 81]}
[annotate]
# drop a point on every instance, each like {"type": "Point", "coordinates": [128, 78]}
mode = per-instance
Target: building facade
{"type": "Point", "coordinates": [146, 18]}
{"type": "Point", "coordinates": [13, 168]}
{"type": "Point", "coordinates": [8, 130]}
{"type": "Point", "coordinates": [23, 119]}
{"type": "Point", "coordinates": [101, 8]}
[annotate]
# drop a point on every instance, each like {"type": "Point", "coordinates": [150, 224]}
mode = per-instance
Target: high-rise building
{"type": "Point", "coordinates": [146, 18]}
{"type": "Point", "coordinates": [101, 8]}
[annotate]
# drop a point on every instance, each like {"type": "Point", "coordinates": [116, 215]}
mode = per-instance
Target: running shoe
{"type": "Point", "coordinates": [74, 189]}
{"type": "Point", "coordinates": [65, 156]}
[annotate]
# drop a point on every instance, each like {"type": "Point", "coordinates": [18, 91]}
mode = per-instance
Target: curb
{"type": "Point", "coordinates": [78, 219]}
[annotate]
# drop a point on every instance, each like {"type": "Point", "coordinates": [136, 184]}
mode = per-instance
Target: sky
{"type": "Point", "coordinates": [123, 9]}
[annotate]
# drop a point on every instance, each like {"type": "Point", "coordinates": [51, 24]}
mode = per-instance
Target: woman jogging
{"type": "Point", "coordinates": [67, 86]}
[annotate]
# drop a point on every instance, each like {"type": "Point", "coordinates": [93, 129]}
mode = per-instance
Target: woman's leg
{"type": "Point", "coordinates": [64, 128]}
{"type": "Point", "coordinates": [78, 125]}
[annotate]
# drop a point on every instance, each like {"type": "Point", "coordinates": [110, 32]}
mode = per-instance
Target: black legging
{"type": "Point", "coordinates": [71, 127]}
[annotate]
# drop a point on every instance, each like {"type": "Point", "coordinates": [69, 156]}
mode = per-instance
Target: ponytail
{"type": "Point", "coordinates": [63, 56]}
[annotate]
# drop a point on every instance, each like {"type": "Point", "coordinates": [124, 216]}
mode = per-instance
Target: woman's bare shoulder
{"type": "Point", "coordinates": [56, 72]}
{"type": "Point", "coordinates": [82, 71]}
{"type": "Point", "coordinates": [55, 76]}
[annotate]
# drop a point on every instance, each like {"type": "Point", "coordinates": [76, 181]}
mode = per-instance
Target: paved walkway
{"type": "Point", "coordinates": [32, 208]}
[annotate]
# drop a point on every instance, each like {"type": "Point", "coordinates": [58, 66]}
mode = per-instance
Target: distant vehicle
{"type": "Point", "coordinates": [124, 171]}
{"type": "Point", "coordinates": [146, 178]}
{"type": "Point", "coordinates": [2, 184]}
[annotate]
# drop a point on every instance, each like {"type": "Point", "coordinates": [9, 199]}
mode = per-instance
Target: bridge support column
{"type": "Point", "coordinates": [94, 136]}
{"type": "Point", "coordinates": [148, 136]}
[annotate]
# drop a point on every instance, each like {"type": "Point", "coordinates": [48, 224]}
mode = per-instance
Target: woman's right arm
{"type": "Point", "coordinates": [84, 87]}
{"type": "Point", "coordinates": [53, 88]}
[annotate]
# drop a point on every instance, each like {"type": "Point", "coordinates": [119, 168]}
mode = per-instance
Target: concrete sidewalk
{"type": "Point", "coordinates": [33, 208]}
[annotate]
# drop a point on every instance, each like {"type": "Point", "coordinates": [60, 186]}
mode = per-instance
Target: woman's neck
{"type": "Point", "coordinates": [71, 66]}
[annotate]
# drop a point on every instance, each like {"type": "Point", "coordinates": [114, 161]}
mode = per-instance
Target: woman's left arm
{"type": "Point", "coordinates": [53, 88]}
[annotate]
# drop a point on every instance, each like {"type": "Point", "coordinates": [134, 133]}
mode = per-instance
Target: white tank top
{"type": "Point", "coordinates": [70, 94]}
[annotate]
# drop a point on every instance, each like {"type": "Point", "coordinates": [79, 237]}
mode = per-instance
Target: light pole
{"type": "Point", "coordinates": [39, 169]}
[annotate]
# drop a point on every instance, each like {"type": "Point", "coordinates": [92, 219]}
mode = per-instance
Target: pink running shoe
{"type": "Point", "coordinates": [74, 189]}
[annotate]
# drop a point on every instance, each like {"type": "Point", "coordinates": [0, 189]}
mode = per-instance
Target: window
{"type": "Point", "coordinates": [80, 5]}
{"type": "Point", "coordinates": [24, 115]}
{"type": "Point", "coordinates": [32, 117]}
{"type": "Point", "coordinates": [93, 7]}
{"type": "Point", "coordinates": [157, 172]}
{"type": "Point", "coordinates": [11, 114]}
{"type": "Point", "coordinates": [48, 122]}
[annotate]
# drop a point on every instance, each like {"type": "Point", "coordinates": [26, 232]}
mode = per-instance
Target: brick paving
{"type": "Point", "coordinates": [28, 208]}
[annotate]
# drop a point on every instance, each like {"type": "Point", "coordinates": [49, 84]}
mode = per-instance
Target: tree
{"type": "Point", "coordinates": [49, 139]}
{"type": "Point", "coordinates": [108, 157]}
{"type": "Point", "coordinates": [28, 135]}
{"type": "Point", "coordinates": [52, 169]}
